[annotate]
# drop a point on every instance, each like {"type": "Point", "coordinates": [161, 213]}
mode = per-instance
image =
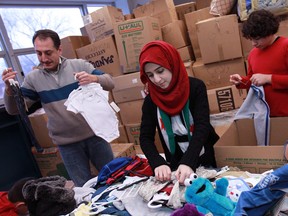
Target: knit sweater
{"type": "Point", "coordinates": [64, 126]}
{"type": "Point", "coordinates": [272, 60]}
{"type": "Point", "coordinates": [203, 134]}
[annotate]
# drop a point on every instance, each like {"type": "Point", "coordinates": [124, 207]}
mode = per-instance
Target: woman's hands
{"type": "Point", "coordinates": [183, 172]}
{"type": "Point", "coordinates": [163, 173]}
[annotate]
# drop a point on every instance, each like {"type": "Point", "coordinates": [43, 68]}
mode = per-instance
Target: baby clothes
{"type": "Point", "coordinates": [255, 107]}
{"type": "Point", "coordinates": [92, 102]}
{"type": "Point", "coordinates": [264, 195]}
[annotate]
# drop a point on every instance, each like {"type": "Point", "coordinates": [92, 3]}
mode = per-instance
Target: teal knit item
{"type": "Point", "coordinates": [168, 126]}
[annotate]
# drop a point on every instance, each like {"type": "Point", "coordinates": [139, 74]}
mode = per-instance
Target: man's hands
{"type": "Point", "coordinates": [261, 79]}
{"type": "Point", "coordinates": [6, 75]}
{"type": "Point", "coordinates": [86, 78]}
{"type": "Point", "coordinates": [256, 79]}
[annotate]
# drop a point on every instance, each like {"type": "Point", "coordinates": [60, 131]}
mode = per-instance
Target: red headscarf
{"type": "Point", "coordinates": [172, 99]}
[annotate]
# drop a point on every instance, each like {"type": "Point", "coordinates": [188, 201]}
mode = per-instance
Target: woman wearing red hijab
{"type": "Point", "coordinates": [177, 106]}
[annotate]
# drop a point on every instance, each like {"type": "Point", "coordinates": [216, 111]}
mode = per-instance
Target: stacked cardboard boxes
{"type": "Point", "coordinates": [211, 48]}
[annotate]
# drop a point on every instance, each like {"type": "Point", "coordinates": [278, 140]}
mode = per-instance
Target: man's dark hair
{"type": "Point", "coordinates": [260, 24]}
{"type": "Point", "coordinates": [15, 192]}
{"type": "Point", "coordinates": [46, 33]}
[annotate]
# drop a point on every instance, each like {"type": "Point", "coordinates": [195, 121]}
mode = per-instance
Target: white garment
{"type": "Point", "coordinates": [92, 102]}
{"type": "Point", "coordinates": [255, 107]}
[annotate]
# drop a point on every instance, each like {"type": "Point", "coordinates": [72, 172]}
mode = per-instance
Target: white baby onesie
{"type": "Point", "coordinates": [92, 102]}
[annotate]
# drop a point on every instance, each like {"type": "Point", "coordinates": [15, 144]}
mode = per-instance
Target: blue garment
{"type": "Point", "coordinates": [76, 157]}
{"type": "Point", "coordinates": [112, 167]}
{"type": "Point", "coordinates": [255, 107]}
{"type": "Point", "coordinates": [264, 195]}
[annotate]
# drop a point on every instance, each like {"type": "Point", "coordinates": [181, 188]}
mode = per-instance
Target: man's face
{"type": "Point", "coordinates": [47, 54]}
{"type": "Point", "coordinates": [262, 43]}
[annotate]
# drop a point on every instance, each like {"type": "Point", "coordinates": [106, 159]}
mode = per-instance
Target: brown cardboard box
{"type": "Point", "coordinates": [38, 121]}
{"type": "Point", "coordinates": [245, 43]}
{"type": "Point", "coordinates": [133, 132]}
{"type": "Point", "coordinates": [237, 147]}
{"type": "Point", "coordinates": [100, 23]}
{"type": "Point", "coordinates": [128, 87]}
{"type": "Point", "coordinates": [103, 55]}
{"type": "Point", "coordinates": [191, 19]}
{"type": "Point", "coordinates": [225, 98]}
{"type": "Point", "coordinates": [219, 38]}
{"type": "Point", "coordinates": [283, 27]}
{"type": "Point", "coordinates": [123, 149]}
{"type": "Point", "coordinates": [184, 9]}
{"type": "Point", "coordinates": [176, 34]}
{"type": "Point", "coordinates": [50, 162]}
{"type": "Point", "coordinates": [216, 75]}
{"type": "Point", "coordinates": [164, 10]}
{"type": "Point", "coordinates": [131, 112]}
{"type": "Point", "coordinates": [131, 36]}
{"type": "Point", "coordinates": [71, 43]}
{"type": "Point", "coordinates": [186, 53]}
{"type": "Point", "coordinates": [202, 4]}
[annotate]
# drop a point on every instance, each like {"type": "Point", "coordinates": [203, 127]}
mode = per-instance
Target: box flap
{"type": "Point", "coordinates": [256, 159]}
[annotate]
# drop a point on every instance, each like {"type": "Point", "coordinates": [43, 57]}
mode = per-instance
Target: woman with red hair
{"type": "Point", "coordinates": [177, 105]}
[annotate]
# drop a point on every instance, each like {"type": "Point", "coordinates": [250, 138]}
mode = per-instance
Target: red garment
{"type": "Point", "coordinates": [6, 207]}
{"type": "Point", "coordinates": [272, 60]}
{"type": "Point", "coordinates": [172, 99]}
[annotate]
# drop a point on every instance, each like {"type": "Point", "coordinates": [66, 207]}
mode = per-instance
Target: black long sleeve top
{"type": "Point", "coordinates": [203, 135]}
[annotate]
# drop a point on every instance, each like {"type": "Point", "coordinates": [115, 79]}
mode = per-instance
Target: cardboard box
{"type": "Point", "coordinates": [200, 4]}
{"type": "Point", "coordinates": [216, 75]}
{"type": "Point", "coordinates": [133, 133]}
{"type": "Point", "coordinates": [245, 43]}
{"type": "Point", "coordinates": [103, 55]}
{"type": "Point", "coordinates": [128, 87]}
{"type": "Point", "coordinates": [237, 147]}
{"type": "Point", "coordinates": [71, 43]}
{"type": "Point", "coordinates": [100, 23]}
{"type": "Point", "coordinates": [176, 34]}
{"type": "Point", "coordinates": [38, 121]}
{"type": "Point", "coordinates": [50, 162]}
{"type": "Point", "coordinates": [186, 53]}
{"type": "Point", "coordinates": [188, 65]}
{"type": "Point", "coordinates": [164, 10]}
{"type": "Point", "coordinates": [225, 98]}
{"type": "Point", "coordinates": [131, 36]}
{"type": "Point", "coordinates": [131, 111]}
{"type": "Point", "coordinates": [219, 38]}
{"type": "Point", "coordinates": [191, 19]}
{"type": "Point", "coordinates": [184, 9]}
